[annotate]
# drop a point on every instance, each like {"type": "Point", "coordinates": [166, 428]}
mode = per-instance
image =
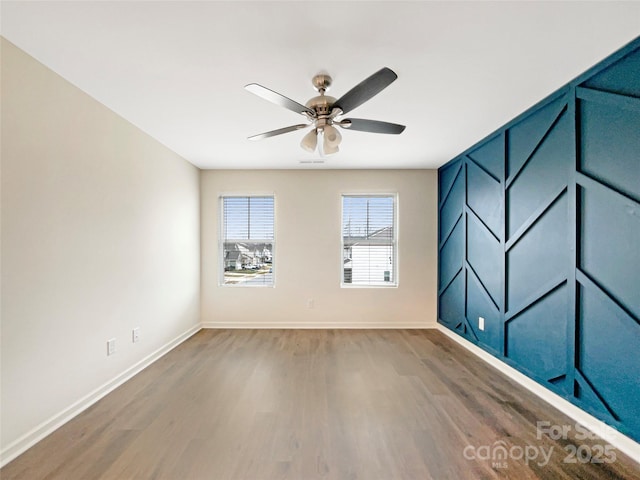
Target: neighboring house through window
{"type": "Point", "coordinates": [247, 240]}
{"type": "Point", "coordinates": [369, 245]}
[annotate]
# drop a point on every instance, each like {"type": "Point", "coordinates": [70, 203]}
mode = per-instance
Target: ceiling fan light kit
{"type": "Point", "coordinates": [323, 111]}
{"type": "Point", "coordinates": [332, 136]}
{"type": "Point", "coordinates": [309, 141]}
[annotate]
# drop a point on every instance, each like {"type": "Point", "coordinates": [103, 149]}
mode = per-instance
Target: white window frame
{"type": "Point", "coordinates": [396, 252]}
{"type": "Point", "coordinates": [221, 240]}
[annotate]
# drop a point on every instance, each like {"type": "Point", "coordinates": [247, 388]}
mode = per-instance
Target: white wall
{"type": "Point", "coordinates": [100, 234]}
{"type": "Point", "coordinates": [308, 251]}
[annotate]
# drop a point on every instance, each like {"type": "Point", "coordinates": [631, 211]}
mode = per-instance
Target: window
{"type": "Point", "coordinates": [247, 241]}
{"type": "Point", "coordinates": [369, 240]}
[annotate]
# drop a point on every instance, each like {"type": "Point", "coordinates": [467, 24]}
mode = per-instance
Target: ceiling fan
{"type": "Point", "coordinates": [324, 112]}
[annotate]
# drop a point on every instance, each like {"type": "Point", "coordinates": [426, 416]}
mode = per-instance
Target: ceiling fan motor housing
{"type": "Point", "coordinates": [322, 104]}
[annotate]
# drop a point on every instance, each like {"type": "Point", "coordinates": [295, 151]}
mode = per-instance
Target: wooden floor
{"type": "Point", "coordinates": [314, 404]}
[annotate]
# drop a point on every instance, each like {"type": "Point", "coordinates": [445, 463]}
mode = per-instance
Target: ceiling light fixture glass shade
{"type": "Point", "coordinates": [310, 140]}
{"type": "Point", "coordinates": [329, 149]}
{"type": "Point", "coordinates": [332, 139]}
{"type": "Point", "coordinates": [332, 136]}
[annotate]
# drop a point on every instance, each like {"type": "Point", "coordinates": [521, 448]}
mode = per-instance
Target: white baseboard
{"type": "Point", "coordinates": [49, 426]}
{"type": "Point", "coordinates": [318, 325]}
{"type": "Point", "coordinates": [620, 441]}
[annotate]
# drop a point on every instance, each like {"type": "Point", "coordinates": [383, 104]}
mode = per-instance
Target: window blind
{"type": "Point", "coordinates": [369, 239]}
{"type": "Point", "coordinates": [247, 240]}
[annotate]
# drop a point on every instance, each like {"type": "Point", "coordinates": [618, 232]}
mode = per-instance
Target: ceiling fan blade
{"type": "Point", "coordinates": [366, 89]}
{"type": "Point", "coordinates": [275, 97]}
{"type": "Point", "coordinates": [373, 126]}
{"type": "Point", "coordinates": [279, 131]}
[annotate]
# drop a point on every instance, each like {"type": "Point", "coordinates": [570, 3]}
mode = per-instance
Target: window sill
{"type": "Point", "coordinates": [356, 285]}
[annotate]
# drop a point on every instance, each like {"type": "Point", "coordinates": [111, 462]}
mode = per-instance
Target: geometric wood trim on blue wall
{"type": "Point", "coordinates": [538, 233]}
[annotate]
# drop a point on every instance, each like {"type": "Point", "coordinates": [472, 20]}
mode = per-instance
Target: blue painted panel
{"type": "Point", "coordinates": [622, 77]}
{"type": "Point", "coordinates": [543, 176]}
{"type": "Point", "coordinates": [484, 254]}
{"type": "Point", "coordinates": [491, 156]}
{"type": "Point", "coordinates": [451, 302]}
{"type": "Point", "coordinates": [610, 139]}
{"type": "Point", "coordinates": [588, 400]}
{"type": "Point", "coordinates": [446, 178]}
{"type": "Point", "coordinates": [540, 257]}
{"type": "Point", "coordinates": [610, 244]}
{"type": "Point", "coordinates": [537, 338]}
{"type": "Point", "coordinates": [478, 305]}
{"type": "Point", "coordinates": [452, 208]}
{"type": "Point", "coordinates": [484, 197]}
{"type": "Point", "coordinates": [524, 136]}
{"type": "Point", "coordinates": [451, 255]}
{"type": "Point", "coordinates": [610, 355]}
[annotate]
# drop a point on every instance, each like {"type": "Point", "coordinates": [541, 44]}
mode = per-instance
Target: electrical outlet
{"type": "Point", "coordinates": [135, 335]}
{"type": "Point", "coordinates": [310, 303]}
{"type": "Point", "coordinates": [481, 323]}
{"type": "Point", "coordinates": [111, 346]}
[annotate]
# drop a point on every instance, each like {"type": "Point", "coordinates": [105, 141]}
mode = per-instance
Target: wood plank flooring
{"type": "Point", "coordinates": [314, 404]}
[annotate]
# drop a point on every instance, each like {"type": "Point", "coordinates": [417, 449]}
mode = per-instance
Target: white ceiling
{"type": "Point", "coordinates": [176, 69]}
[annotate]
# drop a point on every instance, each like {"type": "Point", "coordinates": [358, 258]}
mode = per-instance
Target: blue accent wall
{"type": "Point", "coordinates": [539, 234]}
